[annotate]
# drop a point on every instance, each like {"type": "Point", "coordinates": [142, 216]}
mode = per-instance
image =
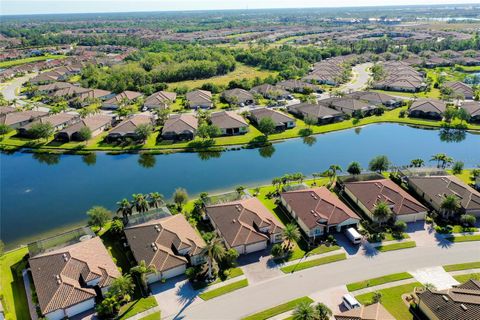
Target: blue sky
{"type": "Point", "coordinates": [77, 6]}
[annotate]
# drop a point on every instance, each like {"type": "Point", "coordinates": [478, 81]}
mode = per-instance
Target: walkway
{"type": "Point", "coordinates": [436, 276]}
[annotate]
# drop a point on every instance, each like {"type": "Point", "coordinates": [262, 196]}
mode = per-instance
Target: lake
{"type": "Point", "coordinates": [41, 193]}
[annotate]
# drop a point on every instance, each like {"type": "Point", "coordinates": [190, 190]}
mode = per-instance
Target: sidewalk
{"type": "Point", "coordinates": [313, 257]}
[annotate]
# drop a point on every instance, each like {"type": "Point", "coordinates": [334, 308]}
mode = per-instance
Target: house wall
{"type": "Point", "coordinates": [56, 315]}
{"type": "Point", "coordinates": [426, 310]}
{"type": "Point", "coordinates": [80, 307]}
{"type": "Point", "coordinates": [290, 124]}
{"type": "Point", "coordinates": [256, 247]}
{"type": "Point", "coordinates": [276, 237]}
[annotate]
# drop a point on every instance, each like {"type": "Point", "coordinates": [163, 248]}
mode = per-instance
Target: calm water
{"type": "Point", "coordinates": [40, 193]}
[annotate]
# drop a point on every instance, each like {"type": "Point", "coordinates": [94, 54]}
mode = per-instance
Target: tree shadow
{"type": "Point", "coordinates": [18, 290]}
{"type": "Point", "coordinates": [442, 241]}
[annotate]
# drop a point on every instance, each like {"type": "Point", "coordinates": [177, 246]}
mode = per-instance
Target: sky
{"type": "Point", "coordinates": [11, 7]}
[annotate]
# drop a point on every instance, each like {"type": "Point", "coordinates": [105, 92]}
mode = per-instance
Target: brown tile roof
{"type": "Point", "coordinates": [125, 95]}
{"type": "Point", "coordinates": [241, 95]}
{"type": "Point", "coordinates": [268, 90]}
{"type": "Point", "coordinates": [8, 109]}
{"type": "Point", "coordinates": [315, 111]}
{"type": "Point", "coordinates": [55, 119]}
{"type": "Point", "coordinates": [239, 221]}
{"type": "Point", "coordinates": [56, 274]}
{"type": "Point", "coordinates": [318, 206]}
{"type": "Point", "coordinates": [93, 122]}
{"type": "Point", "coordinates": [160, 98]}
{"type": "Point", "coordinates": [429, 105]}
{"type": "Point", "coordinates": [369, 193]}
{"type": "Point", "coordinates": [93, 94]}
{"type": "Point", "coordinates": [460, 88]}
{"type": "Point", "coordinates": [129, 125]}
{"type": "Point", "coordinates": [199, 97]}
{"type": "Point", "coordinates": [347, 105]}
{"type": "Point", "coordinates": [228, 120]}
{"type": "Point", "coordinates": [180, 123]}
{"type": "Point", "coordinates": [372, 97]}
{"type": "Point", "coordinates": [372, 312]}
{"type": "Point", "coordinates": [18, 117]}
{"type": "Point", "coordinates": [473, 108]}
{"type": "Point", "coordinates": [278, 117]}
{"type": "Point", "coordinates": [169, 235]}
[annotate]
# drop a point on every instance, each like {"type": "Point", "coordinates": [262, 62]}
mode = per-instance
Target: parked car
{"type": "Point", "coordinates": [350, 302]}
{"type": "Point", "coordinates": [353, 236]}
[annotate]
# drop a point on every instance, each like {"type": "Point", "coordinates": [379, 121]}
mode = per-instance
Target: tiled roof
{"type": "Point", "coordinates": [372, 312]}
{"type": "Point", "coordinates": [227, 120]}
{"type": "Point", "coordinates": [129, 125]}
{"type": "Point", "coordinates": [428, 105]}
{"type": "Point", "coordinates": [18, 117]}
{"type": "Point", "coordinates": [278, 117]}
{"type": "Point", "coordinates": [179, 123]}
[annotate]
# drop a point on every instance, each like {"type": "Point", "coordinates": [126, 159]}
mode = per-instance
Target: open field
{"type": "Point", "coordinates": [17, 62]}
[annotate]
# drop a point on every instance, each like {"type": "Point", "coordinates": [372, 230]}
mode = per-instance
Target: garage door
{"type": "Point", "coordinates": [256, 247]}
{"type": "Point", "coordinates": [411, 217]}
{"type": "Point", "coordinates": [174, 272]}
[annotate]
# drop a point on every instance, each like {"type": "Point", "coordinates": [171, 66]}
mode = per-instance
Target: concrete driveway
{"type": "Point", "coordinates": [332, 297]}
{"type": "Point", "coordinates": [259, 266]}
{"type": "Point", "coordinates": [437, 276]}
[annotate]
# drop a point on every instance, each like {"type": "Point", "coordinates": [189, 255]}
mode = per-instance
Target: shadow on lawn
{"type": "Point", "coordinates": [18, 290]}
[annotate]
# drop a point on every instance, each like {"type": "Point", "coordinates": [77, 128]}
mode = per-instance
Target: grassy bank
{"type": "Point", "coordinates": [397, 246]}
{"type": "Point", "coordinates": [137, 306]}
{"type": "Point", "coordinates": [466, 238]}
{"type": "Point", "coordinates": [17, 62]}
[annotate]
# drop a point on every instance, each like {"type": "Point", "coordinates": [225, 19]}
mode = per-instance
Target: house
{"type": "Point", "coordinates": [199, 99]}
{"type": "Point", "coordinates": [400, 76]}
{"type": "Point", "coordinates": [371, 312]}
{"type": "Point", "coordinates": [460, 302]}
{"type": "Point", "coordinates": [180, 127]}
{"type": "Point", "coordinates": [126, 128]}
{"type": "Point", "coordinates": [160, 100]}
{"type": "Point", "coordinates": [281, 120]}
{"type": "Point", "coordinates": [58, 122]}
{"type": "Point", "coordinates": [461, 89]}
{"type": "Point", "coordinates": [18, 119]}
{"type": "Point", "coordinates": [69, 92]}
{"type": "Point", "coordinates": [238, 96]}
{"type": "Point", "coordinates": [169, 244]}
{"type": "Point", "coordinates": [349, 106]}
{"type": "Point", "coordinates": [366, 194]}
{"type": "Point", "coordinates": [318, 211]}
{"type": "Point", "coordinates": [433, 190]}
{"type": "Point", "coordinates": [322, 113]}
{"type": "Point", "coordinates": [68, 280]}
{"type": "Point", "coordinates": [52, 87]}
{"type": "Point", "coordinates": [473, 109]}
{"type": "Point", "coordinates": [45, 77]}
{"type": "Point", "coordinates": [229, 122]}
{"type": "Point", "coordinates": [121, 98]}
{"type": "Point", "coordinates": [298, 86]}
{"type": "Point", "coordinates": [245, 225]}
{"type": "Point", "coordinates": [376, 98]}
{"type": "Point", "coordinates": [427, 108]}
{"type": "Point", "coordinates": [94, 94]}
{"type": "Point", "coordinates": [95, 123]}
{"type": "Point", "coordinates": [269, 91]}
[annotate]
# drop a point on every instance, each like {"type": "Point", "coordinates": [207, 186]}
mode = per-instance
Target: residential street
{"type": "Point", "coordinates": [360, 77]}
{"type": "Point", "coordinates": [9, 90]}
{"type": "Point", "coordinates": [261, 295]}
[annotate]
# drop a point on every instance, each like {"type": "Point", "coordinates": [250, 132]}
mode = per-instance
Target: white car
{"type": "Point", "coordinates": [350, 302]}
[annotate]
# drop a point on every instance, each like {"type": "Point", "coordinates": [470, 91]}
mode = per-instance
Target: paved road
{"type": "Point", "coordinates": [360, 77]}
{"type": "Point", "coordinates": [9, 90]}
{"type": "Point", "coordinates": [263, 295]}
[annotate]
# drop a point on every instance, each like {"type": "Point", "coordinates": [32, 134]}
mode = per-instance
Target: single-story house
{"type": "Point", "coordinates": [281, 120]}
{"type": "Point", "coordinates": [116, 101]}
{"type": "Point", "coordinates": [433, 190]}
{"type": "Point", "coordinates": [366, 194]}
{"type": "Point", "coordinates": [427, 108]}
{"type": "Point", "coordinates": [460, 302]}
{"type": "Point", "coordinates": [238, 96]}
{"type": "Point", "coordinates": [21, 118]}
{"type": "Point", "coordinates": [169, 244]}
{"type": "Point", "coordinates": [69, 92]}
{"type": "Point", "coordinates": [376, 98]}
{"type": "Point", "coordinates": [461, 89]}
{"type": "Point", "coordinates": [318, 211]}
{"type": "Point", "coordinates": [473, 109]}
{"type": "Point", "coordinates": [68, 280]}
{"type": "Point", "coordinates": [58, 122]}
{"type": "Point", "coordinates": [96, 123]}
{"type": "Point", "coordinates": [95, 94]}
{"type": "Point", "coordinates": [180, 127]}
{"type": "Point", "coordinates": [45, 77]}
{"type": "Point", "coordinates": [371, 312]}
{"type": "Point", "coordinates": [322, 113]}
{"type": "Point", "coordinates": [245, 225]}
{"type": "Point", "coordinates": [126, 128]}
{"type": "Point", "coordinates": [298, 86]}
{"type": "Point", "coordinates": [52, 87]}
{"type": "Point", "coordinates": [269, 91]}
{"type": "Point", "coordinates": [349, 105]}
{"type": "Point", "coordinates": [199, 99]}
{"type": "Point", "coordinates": [160, 100]}
{"type": "Point", "coordinates": [229, 122]}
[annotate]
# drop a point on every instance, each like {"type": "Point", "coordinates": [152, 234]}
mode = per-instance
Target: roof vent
{"type": "Point", "coordinates": [65, 257]}
{"type": "Point", "coordinates": [445, 298]}
{"type": "Point", "coordinates": [237, 207]}
{"type": "Point", "coordinates": [154, 246]}
{"type": "Point", "coordinates": [157, 228]}
{"type": "Point", "coordinates": [57, 278]}
{"type": "Point", "coordinates": [464, 307]}
{"type": "Point", "coordinates": [234, 221]}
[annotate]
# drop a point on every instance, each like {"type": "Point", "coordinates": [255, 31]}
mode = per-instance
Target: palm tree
{"type": "Point", "coordinates": [450, 204]}
{"type": "Point", "coordinates": [140, 202]}
{"type": "Point", "coordinates": [214, 250]}
{"type": "Point", "coordinates": [304, 311]}
{"type": "Point", "coordinates": [447, 161]}
{"type": "Point", "coordinates": [382, 211]}
{"type": "Point", "coordinates": [331, 173]}
{"type": "Point", "coordinates": [291, 233]}
{"type": "Point", "coordinates": [439, 157]}
{"type": "Point", "coordinates": [315, 176]}
{"type": "Point", "coordinates": [417, 163]}
{"type": "Point", "coordinates": [322, 312]}
{"type": "Point", "coordinates": [124, 207]}
{"type": "Point", "coordinates": [155, 199]}
{"type": "Point", "coordinates": [143, 270]}
{"type": "Point", "coordinates": [354, 168]}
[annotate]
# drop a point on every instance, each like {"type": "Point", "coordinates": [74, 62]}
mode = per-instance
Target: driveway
{"type": "Point", "coordinates": [258, 266]}
{"type": "Point", "coordinates": [437, 276]}
{"type": "Point", "coordinates": [360, 77]}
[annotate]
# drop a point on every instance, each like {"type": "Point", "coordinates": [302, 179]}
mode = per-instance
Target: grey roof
{"type": "Point", "coordinates": [278, 117]}
{"type": "Point", "coordinates": [316, 111]}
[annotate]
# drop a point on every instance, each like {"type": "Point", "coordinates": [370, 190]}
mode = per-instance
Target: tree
{"type": "Point", "coordinates": [41, 130]}
{"type": "Point", "coordinates": [277, 251]}
{"type": "Point", "coordinates": [162, 115]}
{"type": "Point", "coordinates": [266, 126]}
{"type": "Point", "coordinates": [290, 233]}
{"type": "Point", "coordinates": [4, 129]}
{"type": "Point", "coordinates": [304, 311]}
{"type": "Point", "coordinates": [382, 211]}
{"type": "Point", "coordinates": [124, 208]}
{"type": "Point", "coordinates": [180, 197]}
{"type": "Point", "coordinates": [417, 163]}
{"type": "Point", "coordinates": [108, 308]}
{"type": "Point", "coordinates": [379, 164]}
{"type": "Point", "coordinates": [98, 216]}
{"type": "Point", "coordinates": [142, 270]}
{"type": "Point", "coordinates": [309, 121]}
{"type": "Point", "coordinates": [322, 312]}
{"type": "Point", "coordinates": [449, 114]}
{"type": "Point", "coordinates": [140, 202]}
{"type": "Point", "coordinates": [85, 134]}
{"type": "Point", "coordinates": [377, 297]}
{"type": "Point", "coordinates": [467, 220]}
{"type": "Point", "coordinates": [240, 190]}
{"type": "Point", "coordinates": [450, 204]}
{"type": "Point", "coordinates": [117, 226]}
{"type": "Point", "coordinates": [442, 159]}
{"type": "Point", "coordinates": [400, 226]}
{"type": "Point", "coordinates": [143, 131]}
{"type": "Point", "coordinates": [463, 115]}
{"type": "Point", "coordinates": [457, 167]}
{"type": "Point", "coordinates": [206, 131]}
{"type": "Point", "coordinates": [122, 288]}
{"type": "Point", "coordinates": [354, 168]}
{"type": "Point", "coordinates": [214, 250]}
{"type": "Point", "coordinates": [331, 173]}
{"type": "Point", "coordinates": [155, 199]}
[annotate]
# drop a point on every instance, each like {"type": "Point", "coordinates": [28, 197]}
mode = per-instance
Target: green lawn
{"type": "Point", "coordinates": [392, 300]}
{"type": "Point", "coordinates": [462, 266]}
{"type": "Point", "coordinates": [397, 246]}
{"type": "Point", "coordinates": [391, 237]}
{"type": "Point", "coordinates": [465, 277]}
{"type": "Point", "coordinates": [137, 306]}
{"type": "Point", "coordinates": [12, 63]}
{"type": "Point", "coordinates": [224, 290]}
{"type": "Point", "coordinates": [232, 273]}
{"type": "Point", "coordinates": [465, 175]}
{"type": "Point", "coordinates": [14, 299]}
{"type": "Point", "coordinates": [284, 307]}
{"type": "Point", "coordinates": [467, 238]}
{"type": "Point", "coordinates": [153, 316]}
{"type": "Point", "coordinates": [378, 281]}
{"type": "Point", "coordinates": [313, 263]}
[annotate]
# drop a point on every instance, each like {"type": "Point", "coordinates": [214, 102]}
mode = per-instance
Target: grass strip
{"type": "Point", "coordinates": [313, 263]}
{"type": "Point", "coordinates": [137, 306]}
{"type": "Point", "coordinates": [462, 266]}
{"type": "Point", "coordinates": [475, 237]}
{"type": "Point", "coordinates": [396, 246]}
{"type": "Point", "coordinates": [378, 281]}
{"type": "Point", "coordinates": [284, 307]}
{"type": "Point", "coordinates": [462, 278]}
{"type": "Point", "coordinates": [224, 290]}
{"type": "Point", "coordinates": [153, 316]}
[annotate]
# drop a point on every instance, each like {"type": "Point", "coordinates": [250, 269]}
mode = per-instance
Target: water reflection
{"type": "Point", "coordinates": [267, 151]}
{"type": "Point", "coordinates": [310, 140]}
{"type": "Point", "coordinates": [452, 135]}
{"type": "Point", "coordinates": [207, 155]}
{"type": "Point", "coordinates": [90, 159]}
{"type": "Point", "coordinates": [147, 160]}
{"type": "Point", "coordinates": [47, 158]}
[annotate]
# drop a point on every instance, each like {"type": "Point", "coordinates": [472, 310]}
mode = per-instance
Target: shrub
{"type": "Point", "coordinates": [457, 167]}
{"type": "Point", "coordinates": [402, 114]}
{"type": "Point", "coordinates": [277, 251]}
{"type": "Point", "coordinates": [468, 220]}
{"type": "Point", "coordinates": [400, 226]}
